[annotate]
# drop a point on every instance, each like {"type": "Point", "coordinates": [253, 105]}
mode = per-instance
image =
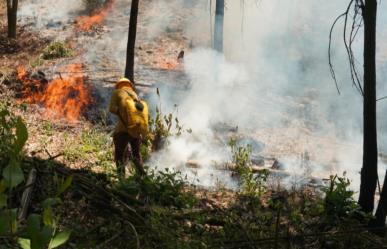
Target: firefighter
{"type": "Point", "coordinates": [131, 128]}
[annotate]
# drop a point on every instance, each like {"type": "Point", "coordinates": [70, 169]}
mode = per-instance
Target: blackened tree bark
{"type": "Point", "coordinates": [381, 212]}
{"type": "Point", "coordinates": [219, 23]}
{"type": "Point", "coordinates": [370, 147]}
{"type": "Point", "coordinates": [12, 17]}
{"type": "Point", "coordinates": [130, 52]}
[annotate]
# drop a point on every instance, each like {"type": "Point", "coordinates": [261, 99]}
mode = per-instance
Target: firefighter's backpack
{"type": "Point", "coordinates": [138, 116]}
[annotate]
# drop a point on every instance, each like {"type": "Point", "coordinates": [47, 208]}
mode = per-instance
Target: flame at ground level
{"type": "Point", "coordinates": [86, 23]}
{"type": "Point", "coordinates": [64, 97]}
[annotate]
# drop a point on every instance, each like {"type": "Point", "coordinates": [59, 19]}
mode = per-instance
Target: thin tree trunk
{"type": "Point", "coordinates": [381, 212]}
{"type": "Point", "coordinates": [370, 147]}
{"type": "Point", "coordinates": [219, 23]}
{"type": "Point", "coordinates": [130, 52]}
{"type": "Point", "coordinates": [12, 17]}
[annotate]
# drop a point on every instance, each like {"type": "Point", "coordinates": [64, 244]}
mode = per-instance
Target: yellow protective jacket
{"type": "Point", "coordinates": [129, 119]}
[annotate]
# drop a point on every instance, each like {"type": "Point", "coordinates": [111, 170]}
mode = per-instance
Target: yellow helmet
{"type": "Point", "coordinates": [124, 82]}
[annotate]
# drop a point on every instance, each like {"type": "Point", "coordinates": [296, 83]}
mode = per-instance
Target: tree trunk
{"type": "Point", "coordinates": [381, 212]}
{"type": "Point", "coordinates": [370, 146]}
{"type": "Point", "coordinates": [130, 52]}
{"type": "Point", "coordinates": [219, 22]}
{"type": "Point", "coordinates": [12, 17]}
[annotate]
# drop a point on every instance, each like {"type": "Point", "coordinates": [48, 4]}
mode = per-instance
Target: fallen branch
{"type": "Point", "coordinates": [27, 195]}
{"type": "Point", "coordinates": [136, 84]}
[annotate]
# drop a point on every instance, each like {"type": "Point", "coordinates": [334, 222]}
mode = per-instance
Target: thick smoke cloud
{"type": "Point", "coordinates": [276, 79]}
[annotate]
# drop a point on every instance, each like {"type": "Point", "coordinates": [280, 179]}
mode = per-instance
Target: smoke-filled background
{"type": "Point", "coordinates": [273, 81]}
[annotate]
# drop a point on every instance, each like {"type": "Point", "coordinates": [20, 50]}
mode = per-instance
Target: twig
{"type": "Point", "coordinates": [385, 97]}
{"type": "Point", "coordinates": [52, 157]}
{"type": "Point", "coordinates": [136, 84]}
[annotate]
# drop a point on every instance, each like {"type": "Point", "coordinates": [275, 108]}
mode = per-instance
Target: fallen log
{"type": "Point", "coordinates": [27, 195]}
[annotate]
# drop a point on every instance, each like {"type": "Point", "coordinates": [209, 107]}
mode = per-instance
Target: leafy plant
{"type": "Point", "coordinates": [339, 204]}
{"type": "Point", "coordinates": [56, 50]}
{"type": "Point", "coordinates": [14, 134]}
{"type": "Point", "coordinates": [251, 183]}
{"type": "Point", "coordinates": [46, 235]}
{"type": "Point", "coordinates": [163, 126]}
{"type": "Point", "coordinates": [162, 187]}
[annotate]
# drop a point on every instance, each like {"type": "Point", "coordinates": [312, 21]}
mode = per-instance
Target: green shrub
{"type": "Point", "coordinates": [252, 184]}
{"type": "Point", "coordinates": [165, 188]}
{"type": "Point", "coordinates": [14, 135]}
{"type": "Point", "coordinates": [339, 204]}
{"type": "Point", "coordinates": [56, 50]}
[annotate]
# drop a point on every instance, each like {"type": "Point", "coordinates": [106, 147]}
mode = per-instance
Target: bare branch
{"type": "Point", "coordinates": [348, 40]}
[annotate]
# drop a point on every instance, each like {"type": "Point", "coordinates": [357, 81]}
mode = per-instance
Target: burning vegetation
{"type": "Point", "coordinates": [64, 97]}
{"type": "Point", "coordinates": [87, 23]}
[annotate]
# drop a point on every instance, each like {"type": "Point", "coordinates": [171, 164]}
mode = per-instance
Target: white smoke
{"type": "Point", "coordinates": [276, 79]}
{"type": "Point", "coordinates": [43, 13]}
{"type": "Point", "coordinates": [273, 83]}
{"type": "Point", "coordinates": [215, 97]}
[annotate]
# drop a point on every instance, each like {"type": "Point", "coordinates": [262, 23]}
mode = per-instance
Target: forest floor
{"type": "Point", "coordinates": [161, 210]}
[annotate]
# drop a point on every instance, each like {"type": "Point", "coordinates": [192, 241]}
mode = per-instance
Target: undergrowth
{"type": "Point", "coordinates": [41, 230]}
{"type": "Point", "coordinates": [166, 188]}
{"type": "Point", "coordinates": [178, 215]}
{"type": "Point", "coordinates": [93, 150]}
{"type": "Point", "coordinates": [252, 183]}
{"type": "Point", "coordinates": [56, 49]}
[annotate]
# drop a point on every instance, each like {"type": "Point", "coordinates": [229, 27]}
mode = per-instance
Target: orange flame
{"type": "Point", "coordinates": [63, 97]}
{"type": "Point", "coordinates": [86, 23]}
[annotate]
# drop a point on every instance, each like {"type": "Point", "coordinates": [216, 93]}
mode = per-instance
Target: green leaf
{"type": "Point", "coordinates": [21, 136]}
{"type": "Point", "coordinates": [67, 183]}
{"type": "Point", "coordinates": [48, 217]}
{"type": "Point", "coordinates": [33, 226]}
{"type": "Point", "coordinates": [24, 243]}
{"type": "Point", "coordinates": [46, 234]}
{"type": "Point", "coordinates": [13, 214]}
{"type": "Point", "coordinates": [3, 200]}
{"type": "Point", "coordinates": [5, 221]}
{"type": "Point", "coordinates": [60, 239]}
{"type": "Point", "coordinates": [49, 202]}
{"type": "Point", "coordinates": [13, 175]}
{"type": "Point", "coordinates": [3, 186]}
